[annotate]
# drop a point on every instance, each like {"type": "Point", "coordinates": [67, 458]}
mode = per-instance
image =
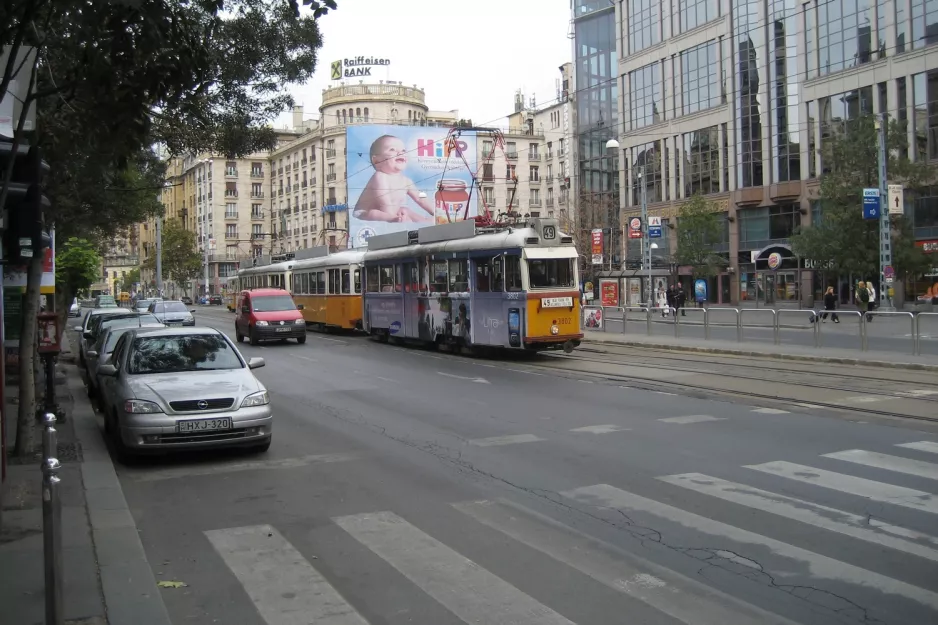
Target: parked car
{"type": "Point", "coordinates": [102, 323]}
{"type": "Point", "coordinates": [143, 305]}
{"type": "Point", "coordinates": [268, 315]}
{"type": "Point", "coordinates": [182, 388]}
{"type": "Point", "coordinates": [186, 300]}
{"type": "Point", "coordinates": [75, 309]}
{"type": "Point", "coordinates": [100, 352]}
{"type": "Point", "coordinates": [215, 300]}
{"type": "Point", "coordinates": [85, 329]}
{"type": "Point", "coordinates": [105, 301]}
{"type": "Point", "coordinates": [172, 313]}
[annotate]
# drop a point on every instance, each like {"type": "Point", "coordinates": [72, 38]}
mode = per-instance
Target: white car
{"type": "Point", "coordinates": [75, 309]}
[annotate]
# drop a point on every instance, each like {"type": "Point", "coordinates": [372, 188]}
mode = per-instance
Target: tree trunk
{"type": "Point", "coordinates": [26, 418]}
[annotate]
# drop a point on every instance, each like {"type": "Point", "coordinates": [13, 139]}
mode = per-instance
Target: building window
{"type": "Point", "coordinates": [749, 40]}
{"type": "Point", "coordinates": [231, 210]}
{"type": "Point", "coordinates": [366, 114]}
{"type": "Point", "coordinates": [845, 36]}
{"type": "Point", "coordinates": [700, 77]}
{"type": "Point", "coordinates": [533, 175]}
{"type": "Point", "coordinates": [644, 24]}
{"type": "Point", "coordinates": [784, 78]}
{"type": "Point", "coordinates": [702, 161]}
{"type": "Point", "coordinates": [693, 13]}
{"type": "Point", "coordinates": [924, 23]}
{"type": "Point", "coordinates": [810, 38]}
{"type": "Point", "coordinates": [902, 28]}
{"type": "Point", "coordinates": [765, 225]}
{"type": "Point", "coordinates": [902, 98]}
{"type": "Point", "coordinates": [646, 95]}
{"type": "Point", "coordinates": [835, 113]}
{"type": "Point", "coordinates": [646, 169]}
{"type": "Point", "coordinates": [231, 231]}
{"type": "Point", "coordinates": [925, 102]}
{"type": "Point", "coordinates": [812, 140]}
{"type": "Point", "coordinates": [487, 173]}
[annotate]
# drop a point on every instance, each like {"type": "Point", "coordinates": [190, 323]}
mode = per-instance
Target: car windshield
{"type": "Point", "coordinates": [95, 322]}
{"type": "Point", "coordinates": [174, 354]}
{"type": "Point", "coordinates": [273, 303]}
{"type": "Point", "coordinates": [131, 321]}
{"type": "Point", "coordinates": [105, 301]}
{"type": "Point", "coordinates": [162, 307]}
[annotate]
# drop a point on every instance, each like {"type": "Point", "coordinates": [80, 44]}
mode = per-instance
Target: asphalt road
{"type": "Point", "coordinates": [406, 486]}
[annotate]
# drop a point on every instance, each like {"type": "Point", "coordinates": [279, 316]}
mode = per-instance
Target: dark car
{"type": "Point", "coordinates": [186, 300]}
{"type": "Point", "coordinates": [215, 300]}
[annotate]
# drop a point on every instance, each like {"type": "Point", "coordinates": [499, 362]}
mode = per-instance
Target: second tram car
{"type": "Point", "coordinates": [330, 290]}
{"type": "Point", "coordinates": [514, 287]}
{"type": "Point", "coordinates": [275, 276]}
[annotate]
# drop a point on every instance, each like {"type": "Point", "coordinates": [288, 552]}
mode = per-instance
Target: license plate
{"type": "Point", "coordinates": [173, 323]}
{"type": "Point", "coordinates": [283, 329]}
{"type": "Point", "coordinates": [204, 425]}
{"type": "Point", "coordinates": [556, 302]}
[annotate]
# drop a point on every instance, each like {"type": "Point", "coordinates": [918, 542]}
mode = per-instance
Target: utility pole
{"type": "Point", "coordinates": [159, 256]}
{"type": "Point", "coordinates": [646, 242]}
{"type": "Point", "coordinates": [885, 229]}
{"type": "Point", "coordinates": [205, 250]}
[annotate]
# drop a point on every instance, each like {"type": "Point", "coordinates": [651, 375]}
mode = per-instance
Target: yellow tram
{"type": "Point", "coordinates": [330, 290]}
{"type": "Point", "coordinates": [274, 276]}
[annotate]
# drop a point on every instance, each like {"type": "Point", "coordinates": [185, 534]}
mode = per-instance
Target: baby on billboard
{"type": "Point", "coordinates": [385, 195]}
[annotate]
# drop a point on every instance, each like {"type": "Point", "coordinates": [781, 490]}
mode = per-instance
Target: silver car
{"type": "Point", "coordinates": [182, 388]}
{"type": "Point", "coordinates": [172, 313]}
{"type": "Point", "coordinates": [87, 327]}
{"type": "Point", "coordinates": [100, 352]}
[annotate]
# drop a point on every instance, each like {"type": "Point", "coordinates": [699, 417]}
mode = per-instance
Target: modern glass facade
{"type": "Point", "coordinates": [597, 120]}
{"type": "Point", "coordinates": [750, 49]}
{"type": "Point", "coordinates": [700, 78]}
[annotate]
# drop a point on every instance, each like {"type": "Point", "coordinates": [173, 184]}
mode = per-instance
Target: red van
{"type": "Point", "coordinates": [268, 315]}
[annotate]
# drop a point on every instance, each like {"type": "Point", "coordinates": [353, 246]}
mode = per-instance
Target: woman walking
{"type": "Point", "coordinates": [830, 305]}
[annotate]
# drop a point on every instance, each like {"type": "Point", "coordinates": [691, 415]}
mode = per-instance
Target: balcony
{"type": "Point", "coordinates": [303, 162]}
{"type": "Point", "coordinates": [534, 156]}
{"type": "Point", "coordinates": [549, 155]}
{"type": "Point", "coordinates": [257, 216]}
{"type": "Point", "coordinates": [561, 201]}
{"type": "Point", "coordinates": [330, 153]}
{"type": "Point", "coordinates": [330, 177]}
{"type": "Point", "coordinates": [331, 201]}
{"type": "Point", "coordinates": [257, 173]}
{"type": "Point", "coordinates": [231, 193]}
{"type": "Point", "coordinates": [289, 188]}
{"type": "Point", "coordinates": [280, 192]}
{"type": "Point", "coordinates": [231, 235]}
{"type": "Point", "coordinates": [534, 180]}
{"type": "Point", "coordinates": [312, 181]}
{"type": "Point", "coordinates": [561, 152]}
{"type": "Point", "coordinates": [257, 194]}
{"type": "Point", "coordinates": [331, 225]}
{"type": "Point", "coordinates": [231, 173]}
{"type": "Point", "coordinates": [304, 229]}
{"type": "Point", "coordinates": [231, 215]}
{"type": "Point", "coordinates": [304, 184]}
{"type": "Point", "coordinates": [550, 202]}
{"type": "Point", "coordinates": [534, 203]}
{"type": "Point", "coordinates": [512, 156]}
{"type": "Point", "coordinates": [280, 170]}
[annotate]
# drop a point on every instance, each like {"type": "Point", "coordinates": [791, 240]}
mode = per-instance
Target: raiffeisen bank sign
{"type": "Point", "coordinates": [357, 66]}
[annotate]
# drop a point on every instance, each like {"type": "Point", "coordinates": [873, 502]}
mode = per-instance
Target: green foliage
{"type": "Point", "coordinates": [77, 264]}
{"type": "Point", "coordinates": [849, 243]}
{"type": "Point", "coordinates": [699, 228]}
{"type": "Point", "coordinates": [181, 260]}
{"type": "Point", "coordinates": [133, 277]}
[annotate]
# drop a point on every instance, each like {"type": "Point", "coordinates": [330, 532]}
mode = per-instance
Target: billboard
{"type": "Point", "coordinates": [390, 166]}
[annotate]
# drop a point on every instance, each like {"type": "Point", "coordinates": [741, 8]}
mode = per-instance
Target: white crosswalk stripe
{"type": "Point", "coordinates": [887, 462]}
{"type": "Point", "coordinates": [283, 586]}
{"type": "Point", "coordinates": [877, 491]}
{"type": "Point", "coordinates": [696, 418]}
{"type": "Point", "coordinates": [855, 525]}
{"type": "Point", "coordinates": [822, 567]}
{"type": "Point", "coordinates": [467, 590]}
{"type": "Point", "coordinates": [928, 446]}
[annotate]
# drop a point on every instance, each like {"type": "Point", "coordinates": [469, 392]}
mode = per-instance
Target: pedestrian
{"type": "Point", "coordinates": [830, 305]}
{"type": "Point", "coordinates": [679, 298]}
{"type": "Point", "coordinates": [670, 296]}
{"type": "Point", "coordinates": [872, 304]}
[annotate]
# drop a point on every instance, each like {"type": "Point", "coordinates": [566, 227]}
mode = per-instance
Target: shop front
{"type": "Point", "coordinates": [924, 288]}
{"type": "Point", "coordinates": [772, 277]}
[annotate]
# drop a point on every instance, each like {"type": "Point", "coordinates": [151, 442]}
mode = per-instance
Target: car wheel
{"type": "Point", "coordinates": [301, 339]}
{"type": "Point", "coordinates": [238, 335]}
{"type": "Point", "coordinates": [253, 336]}
{"type": "Point", "coordinates": [121, 451]}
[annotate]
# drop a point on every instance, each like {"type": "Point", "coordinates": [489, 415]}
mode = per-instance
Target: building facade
{"type": "Point", "coordinates": [735, 99]}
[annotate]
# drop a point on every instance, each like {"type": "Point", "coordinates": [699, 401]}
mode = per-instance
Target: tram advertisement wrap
{"type": "Point", "coordinates": [389, 167]}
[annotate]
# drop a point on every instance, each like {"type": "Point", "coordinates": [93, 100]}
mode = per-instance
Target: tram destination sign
{"type": "Point", "coordinates": [556, 302]}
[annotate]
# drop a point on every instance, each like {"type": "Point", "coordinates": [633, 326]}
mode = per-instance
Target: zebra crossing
{"type": "Point", "coordinates": [286, 588]}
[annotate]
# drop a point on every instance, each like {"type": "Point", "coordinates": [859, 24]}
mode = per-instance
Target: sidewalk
{"type": "Point", "coordinates": [107, 579]}
{"type": "Point", "coordinates": [896, 360]}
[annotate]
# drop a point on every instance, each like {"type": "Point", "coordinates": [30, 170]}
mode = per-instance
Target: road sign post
{"type": "Point", "coordinates": [885, 227]}
{"type": "Point", "coordinates": [896, 199]}
{"type": "Point", "coordinates": [871, 207]}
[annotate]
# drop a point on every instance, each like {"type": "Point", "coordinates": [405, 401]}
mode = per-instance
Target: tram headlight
{"type": "Point", "coordinates": [554, 330]}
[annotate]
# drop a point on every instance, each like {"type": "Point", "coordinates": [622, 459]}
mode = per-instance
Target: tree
{"type": "Point", "coordinates": [110, 79]}
{"type": "Point", "coordinates": [699, 229]}
{"type": "Point", "coordinates": [181, 261]}
{"type": "Point", "coordinates": [132, 278]}
{"type": "Point", "coordinates": [77, 266]}
{"type": "Point", "coordinates": [842, 240]}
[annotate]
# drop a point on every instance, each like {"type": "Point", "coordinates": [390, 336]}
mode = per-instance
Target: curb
{"type": "Point", "coordinates": [796, 357]}
{"type": "Point", "coordinates": [131, 596]}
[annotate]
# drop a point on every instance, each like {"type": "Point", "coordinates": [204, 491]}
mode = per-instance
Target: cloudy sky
{"type": "Point", "coordinates": [469, 56]}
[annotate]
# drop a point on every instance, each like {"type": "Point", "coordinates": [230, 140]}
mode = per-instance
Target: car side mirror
{"type": "Point", "coordinates": [88, 335]}
{"type": "Point", "coordinates": [93, 354]}
{"type": "Point", "coordinates": [108, 370]}
{"type": "Point", "coordinates": [192, 311]}
{"type": "Point", "coordinates": [256, 363]}
{"type": "Point", "coordinates": [77, 328]}
{"type": "Point", "coordinates": [300, 307]}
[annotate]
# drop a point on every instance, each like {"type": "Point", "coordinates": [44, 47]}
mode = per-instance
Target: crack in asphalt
{"type": "Point", "coordinates": [712, 558]}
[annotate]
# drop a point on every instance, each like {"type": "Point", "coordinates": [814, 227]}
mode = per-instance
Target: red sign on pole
{"type": "Point", "coordinates": [49, 338]}
{"type": "Point", "coordinates": [597, 241]}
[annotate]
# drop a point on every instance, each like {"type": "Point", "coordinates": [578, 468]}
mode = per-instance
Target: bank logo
{"type": "Point", "coordinates": [336, 70]}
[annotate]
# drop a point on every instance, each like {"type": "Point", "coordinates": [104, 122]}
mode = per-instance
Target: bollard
{"type": "Point", "coordinates": [51, 522]}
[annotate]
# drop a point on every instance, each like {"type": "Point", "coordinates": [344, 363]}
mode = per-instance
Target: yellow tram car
{"type": "Point", "coordinates": [275, 276]}
{"type": "Point", "coordinates": [330, 290]}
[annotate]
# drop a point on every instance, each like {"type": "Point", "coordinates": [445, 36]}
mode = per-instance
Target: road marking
{"type": "Point", "coordinates": [659, 392]}
{"type": "Point", "coordinates": [585, 381]}
{"type": "Point", "coordinates": [463, 587]}
{"type": "Point", "coordinates": [854, 525]}
{"type": "Point", "coordinates": [523, 371]}
{"type": "Point", "coordinates": [462, 377]}
{"type": "Point", "coordinates": [385, 379]}
{"type": "Point", "coordinates": [283, 585]}
{"type": "Point", "coordinates": [771, 411]}
{"type": "Point", "coordinates": [861, 399]}
{"type": "Point", "coordinates": [887, 462]}
{"type": "Point", "coordinates": [511, 439]}
{"type": "Point", "coordinates": [818, 566]}
{"type": "Point", "coordinates": [877, 491]}
{"type": "Point", "coordinates": [235, 467]}
{"type": "Point", "coordinates": [323, 338]}
{"type": "Point", "coordinates": [919, 393]}
{"type": "Point", "coordinates": [928, 446]}
{"type": "Point", "coordinates": [601, 429]}
{"type": "Point", "coordinates": [811, 406]}
{"type": "Point", "coordinates": [694, 418]}
{"type": "Point", "coordinates": [681, 598]}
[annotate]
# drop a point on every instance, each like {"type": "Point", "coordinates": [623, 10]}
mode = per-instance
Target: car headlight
{"type": "Point", "coordinates": [256, 399]}
{"type": "Point", "coordinates": [300, 322]}
{"type": "Point", "coordinates": [141, 406]}
{"type": "Point", "coordinates": [261, 323]}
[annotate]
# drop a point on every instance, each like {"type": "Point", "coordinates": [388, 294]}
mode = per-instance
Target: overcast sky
{"type": "Point", "coordinates": [470, 56]}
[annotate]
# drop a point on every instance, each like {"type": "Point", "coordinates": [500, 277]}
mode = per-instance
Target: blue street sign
{"type": "Point", "coordinates": [654, 232]}
{"type": "Point", "coordinates": [871, 208]}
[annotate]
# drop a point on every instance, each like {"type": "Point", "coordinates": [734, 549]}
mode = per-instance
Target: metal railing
{"type": "Point", "coordinates": [674, 316]}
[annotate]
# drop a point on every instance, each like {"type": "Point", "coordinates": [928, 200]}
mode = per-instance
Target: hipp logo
{"type": "Point", "coordinates": [440, 149]}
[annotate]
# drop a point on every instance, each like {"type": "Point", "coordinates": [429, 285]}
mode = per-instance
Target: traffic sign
{"type": "Point", "coordinates": [889, 272]}
{"type": "Point", "coordinates": [871, 208]}
{"type": "Point", "coordinates": [896, 199]}
{"type": "Point", "coordinates": [654, 232]}
{"type": "Point", "coordinates": [635, 228]}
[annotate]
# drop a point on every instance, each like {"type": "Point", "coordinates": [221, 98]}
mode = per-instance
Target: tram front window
{"type": "Point", "coordinates": [550, 273]}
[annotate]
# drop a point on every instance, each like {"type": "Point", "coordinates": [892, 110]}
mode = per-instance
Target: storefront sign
{"type": "Point", "coordinates": [357, 66]}
{"type": "Point", "coordinates": [635, 228]}
{"type": "Point", "coordinates": [654, 227]}
{"type": "Point", "coordinates": [929, 247]}
{"type": "Point", "coordinates": [775, 260]}
{"type": "Point", "coordinates": [596, 245]}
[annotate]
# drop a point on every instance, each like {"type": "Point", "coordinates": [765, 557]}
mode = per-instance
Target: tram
{"type": "Point", "coordinates": [275, 276]}
{"type": "Point", "coordinates": [330, 290]}
{"type": "Point", "coordinates": [511, 286]}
